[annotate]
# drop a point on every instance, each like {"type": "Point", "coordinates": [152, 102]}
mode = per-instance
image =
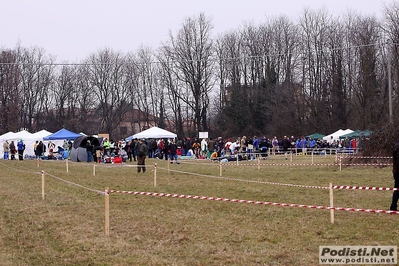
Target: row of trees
{"type": "Point", "coordinates": [320, 73]}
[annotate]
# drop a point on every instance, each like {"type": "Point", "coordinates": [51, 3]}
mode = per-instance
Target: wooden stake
{"type": "Point", "coordinates": [331, 202]}
{"type": "Point", "coordinates": [220, 168]}
{"type": "Point", "coordinates": [168, 165]}
{"type": "Point", "coordinates": [94, 169]}
{"type": "Point", "coordinates": [106, 198]}
{"type": "Point", "coordinates": [38, 162]}
{"type": "Point", "coordinates": [258, 163]}
{"type": "Point", "coordinates": [42, 185]}
{"type": "Point", "coordinates": [67, 165]}
{"type": "Point", "coordinates": [155, 175]}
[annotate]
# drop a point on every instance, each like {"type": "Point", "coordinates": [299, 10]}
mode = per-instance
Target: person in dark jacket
{"type": "Point", "coordinates": [165, 149]}
{"type": "Point", "coordinates": [12, 150]}
{"type": "Point", "coordinates": [89, 150]}
{"type": "Point", "coordinates": [395, 171]}
{"type": "Point", "coordinates": [141, 155]}
{"type": "Point", "coordinates": [173, 152]}
{"type": "Point", "coordinates": [39, 150]}
{"type": "Point", "coordinates": [286, 145]}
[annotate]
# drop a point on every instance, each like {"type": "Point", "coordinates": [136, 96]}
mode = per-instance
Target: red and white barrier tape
{"type": "Point", "coordinates": [312, 164]}
{"type": "Point", "coordinates": [250, 201]}
{"type": "Point", "coordinates": [283, 164]}
{"type": "Point", "coordinates": [285, 184]}
{"type": "Point", "coordinates": [365, 157]}
{"type": "Point", "coordinates": [366, 164]}
{"type": "Point", "coordinates": [364, 188]}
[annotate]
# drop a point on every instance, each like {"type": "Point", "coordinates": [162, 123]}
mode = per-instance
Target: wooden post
{"type": "Point", "coordinates": [168, 165]}
{"type": "Point", "coordinates": [42, 184]}
{"type": "Point", "coordinates": [237, 157]}
{"type": "Point", "coordinates": [155, 175]}
{"type": "Point", "coordinates": [94, 169]}
{"type": "Point", "coordinates": [38, 162]}
{"type": "Point", "coordinates": [106, 198]}
{"type": "Point", "coordinates": [66, 160]}
{"type": "Point", "coordinates": [331, 202]}
{"type": "Point", "coordinates": [291, 156]}
{"type": "Point", "coordinates": [258, 163]}
{"type": "Point", "coordinates": [220, 168]}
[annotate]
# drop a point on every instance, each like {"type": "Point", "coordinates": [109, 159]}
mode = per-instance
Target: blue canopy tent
{"type": "Point", "coordinates": [62, 134]}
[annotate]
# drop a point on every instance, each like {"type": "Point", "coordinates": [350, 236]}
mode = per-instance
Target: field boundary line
{"type": "Point", "coordinates": [75, 184]}
{"type": "Point", "coordinates": [287, 184]}
{"type": "Point", "coordinates": [181, 196]}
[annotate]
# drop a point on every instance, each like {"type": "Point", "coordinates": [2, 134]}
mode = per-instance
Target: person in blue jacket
{"type": "Point", "coordinates": [20, 149]}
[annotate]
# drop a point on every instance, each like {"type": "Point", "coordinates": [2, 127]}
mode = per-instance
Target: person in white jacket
{"type": "Point", "coordinates": [204, 147]}
{"type": "Point", "coordinates": [234, 147]}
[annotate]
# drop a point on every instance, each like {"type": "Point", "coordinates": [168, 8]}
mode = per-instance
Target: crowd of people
{"type": "Point", "coordinates": [11, 150]}
{"type": "Point", "coordinates": [15, 151]}
{"type": "Point", "coordinates": [217, 148]}
{"type": "Point", "coordinates": [206, 148]}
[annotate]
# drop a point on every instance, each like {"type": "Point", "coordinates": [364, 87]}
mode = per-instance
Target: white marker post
{"type": "Point", "coordinates": [43, 184]}
{"type": "Point", "coordinates": [155, 175]}
{"type": "Point", "coordinates": [331, 202]}
{"type": "Point", "coordinates": [106, 198]}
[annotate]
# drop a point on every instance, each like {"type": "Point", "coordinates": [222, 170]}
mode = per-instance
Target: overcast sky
{"type": "Point", "coordinates": [73, 29]}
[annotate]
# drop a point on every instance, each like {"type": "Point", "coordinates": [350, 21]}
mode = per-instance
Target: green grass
{"type": "Point", "coordinates": [67, 227]}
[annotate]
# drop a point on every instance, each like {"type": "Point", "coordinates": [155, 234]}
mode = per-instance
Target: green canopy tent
{"type": "Point", "coordinates": [315, 136]}
{"type": "Point", "coordinates": [356, 134]}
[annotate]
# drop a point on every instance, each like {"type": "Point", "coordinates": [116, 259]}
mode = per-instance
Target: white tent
{"type": "Point", "coordinates": [28, 139]}
{"type": "Point", "coordinates": [23, 134]}
{"type": "Point", "coordinates": [335, 136]}
{"type": "Point", "coordinates": [6, 135]}
{"type": "Point", "coordinates": [41, 134]}
{"type": "Point", "coordinates": [346, 131]}
{"type": "Point", "coordinates": [10, 136]}
{"type": "Point", "coordinates": [153, 133]}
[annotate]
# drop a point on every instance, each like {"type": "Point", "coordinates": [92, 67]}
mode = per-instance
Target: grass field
{"type": "Point", "coordinates": [67, 227]}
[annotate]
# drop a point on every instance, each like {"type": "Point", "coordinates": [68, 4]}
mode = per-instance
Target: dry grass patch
{"type": "Point", "coordinates": [67, 228]}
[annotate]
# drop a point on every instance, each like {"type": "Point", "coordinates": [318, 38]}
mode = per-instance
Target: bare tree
{"type": "Point", "coordinates": [83, 99]}
{"type": "Point", "coordinates": [148, 99]}
{"type": "Point", "coordinates": [391, 28]}
{"type": "Point", "coordinates": [369, 93]}
{"type": "Point", "coordinates": [316, 27]}
{"type": "Point", "coordinates": [191, 50]}
{"type": "Point", "coordinates": [9, 94]}
{"type": "Point", "coordinates": [108, 81]}
{"type": "Point", "coordinates": [35, 78]}
{"type": "Point", "coordinates": [174, 89]}
{"type": "Point", "coordinates": [282, 59]}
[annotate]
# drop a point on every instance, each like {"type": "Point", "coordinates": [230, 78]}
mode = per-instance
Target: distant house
{"type": "Point", "coordinates": [135, 122]}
